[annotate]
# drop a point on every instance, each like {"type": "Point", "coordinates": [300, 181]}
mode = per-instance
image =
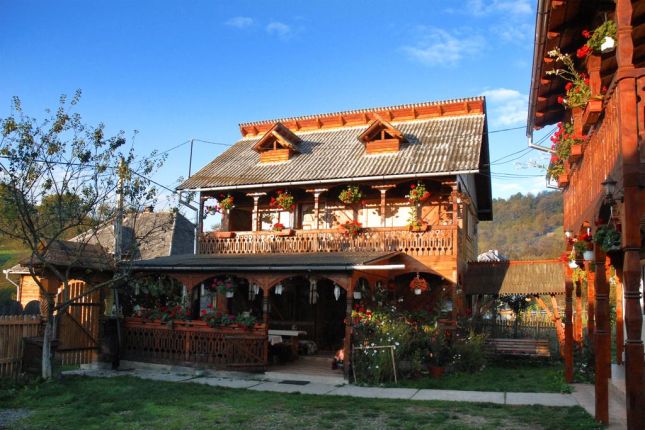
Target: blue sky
{"type": "Point", "coordinates": [195, 69]}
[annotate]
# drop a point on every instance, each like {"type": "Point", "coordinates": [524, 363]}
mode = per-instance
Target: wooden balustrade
{"type": "Point", "coordinates": [195, 342]}
{"type": "Point", "coordinates": [440, 240]}
{"type": "Point", "coordinates": [601, 158]}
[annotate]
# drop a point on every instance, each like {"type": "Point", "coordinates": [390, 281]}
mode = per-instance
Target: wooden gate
{"type": "Point", "coordinates": [78, 326]}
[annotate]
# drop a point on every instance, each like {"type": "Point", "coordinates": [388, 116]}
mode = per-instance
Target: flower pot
{"type": "Point", "coordinates": [286, 232]}
{"type": "Point", "coordinates": [563, 180]}
{"type": "Point", "coordinates": [357, 295]}
{"type": "Point", "coordinates": [576, 153]}
{"type": "Point", "coordinates": [436, 372]}
{"type": "Point", "coordinates": [230, 294]}
{"type": "Point", "coordinates": [224, 234]}
{"type": "Point", "coordinates": [587, 255]}
{"type": "Point", "coordinates": [608, 44]}
{"type": "Point", "coordinates": [573, 264]}
{"type": "Point", "coordinates": [417, 291]}
{"type": "Point", "coordinates": [419, 229]}
{"type": "Point", "coordinates": [591, 114]}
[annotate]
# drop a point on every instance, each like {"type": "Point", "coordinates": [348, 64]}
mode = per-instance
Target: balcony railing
{"type": "Point", "coordinates": [439, 240]}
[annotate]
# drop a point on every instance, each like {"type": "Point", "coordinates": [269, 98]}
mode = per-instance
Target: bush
{"type": "Point", "coordinates": [469, 353]}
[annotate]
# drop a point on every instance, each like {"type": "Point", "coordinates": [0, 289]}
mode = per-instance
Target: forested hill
{"type": "Point", "coordinates": [525, 226]}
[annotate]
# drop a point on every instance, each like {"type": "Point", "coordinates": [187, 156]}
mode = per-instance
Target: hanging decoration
{"type": "Point", "coordinates": [418, 285]}
{"type": "Point", "coordinates": [278, 289]}
{"type": "Point", "coordinates": [336, 291]}
{"type": "Point", "coordinates": [313, 291]}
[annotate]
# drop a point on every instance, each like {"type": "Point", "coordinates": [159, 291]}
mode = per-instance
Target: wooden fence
{"type": "Point", "coordinates": [13, 329]}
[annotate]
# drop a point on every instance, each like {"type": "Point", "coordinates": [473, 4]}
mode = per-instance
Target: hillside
{"type": "Point", "coordinates": [525, 226]}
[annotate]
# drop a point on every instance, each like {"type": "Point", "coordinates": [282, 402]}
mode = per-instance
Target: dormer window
{"type": "Point", "coordinates": [381, 137]}
{"type": "Point", "coordinates": [277, 145]}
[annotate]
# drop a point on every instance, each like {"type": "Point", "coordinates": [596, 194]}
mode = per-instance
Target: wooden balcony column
{"type": "Point", "coordinates": [255, 214]}
{"type": "Point", "coordinates": [383, 189]}
{"type": "Point", "coordinates": [568, 327]}
{"type": "Point", "coordinates": [602, 339]}
{"type": "Point", "coordinates": [317, 192]}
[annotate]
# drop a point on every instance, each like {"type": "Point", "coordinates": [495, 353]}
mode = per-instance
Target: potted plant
{"type": "Point", "coordinates": [417, 225]}
{"type": "Point", "coordinates": [278, 227]}
{"type": "Point", "coordinates": [440, 354]}
{"type": "Point", "coordinates": [608, 238]}
{"type": "Point", "coordinates": [350, 195]}
{"type": "Point", "coordinates": [283, 200]}
{"type": "Point", "coordinates": [351, 228]}
{"type": "Point", "coordinates": [225, 287]}
{"type": "Point", "coordinates": [419, 285]}
{"type": "Point", "coordinates": [418, 194]}
{"type": "Point", "coordinates": [603, 39]}
{"type": "Point", "coordinates": [245, 320]}
{"type": "Point", "coordinates": [226, 201]}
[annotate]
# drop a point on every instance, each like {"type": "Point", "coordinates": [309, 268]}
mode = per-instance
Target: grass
{"type": "Point", "coordinates": [9, 256]}
{"type": "Point", "coordinates": [519, 375]}
{"type": "Point", "coordinates": [130, 403]}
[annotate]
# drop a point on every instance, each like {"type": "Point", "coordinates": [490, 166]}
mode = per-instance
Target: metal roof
{"type": "Point", "coordinates": [320, 261]}
{"type": "Point", "coordinates": [436, 146]}
{"type": "Point", "coordinates": [515, 277]}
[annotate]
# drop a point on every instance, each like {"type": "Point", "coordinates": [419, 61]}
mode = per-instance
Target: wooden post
{"type": "Point", "coordinates": [620, 327]}
{"type": "Point", "coordinates": [255, 219]}
{"type": "Point", "coordinates": [602, 340]}
{"type": "Point", "coordinates": [568, 328]}
{"type": "Point", "coordinates": [591, 304]}
{"type": "Point", "coordinates": [347, 346]}
{"type": "Point", "coordinates": [383, 189]}
{"type": "Point", "coordinates": [628, 134]}
{"type": "Point", "coordinates": [200, 227]}
{"type": "Point", "coordinates": [265, 305]}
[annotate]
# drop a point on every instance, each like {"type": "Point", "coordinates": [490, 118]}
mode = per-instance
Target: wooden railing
{"type": "Point", "coordinates": [186, 342]}
{"type": "Point", "coordinates": [439, 240]}
{"type": "Point", "coordinates": [600, 159]}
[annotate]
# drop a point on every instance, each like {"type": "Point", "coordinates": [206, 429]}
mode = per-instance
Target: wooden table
{"type": "Point", "coordinates": [293, 334]}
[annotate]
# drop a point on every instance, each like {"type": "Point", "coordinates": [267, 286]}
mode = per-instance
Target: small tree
{"type": "Point", "coordinates": [60, 177]}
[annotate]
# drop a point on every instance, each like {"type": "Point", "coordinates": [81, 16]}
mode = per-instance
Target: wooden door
{"type": "Point", "coordinates": [78, 326]}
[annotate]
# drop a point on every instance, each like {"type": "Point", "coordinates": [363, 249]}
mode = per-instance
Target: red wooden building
{"type": "Point", "coordinates": [324, 211]}
{"type": "Point", "coordinates": [600, 99]}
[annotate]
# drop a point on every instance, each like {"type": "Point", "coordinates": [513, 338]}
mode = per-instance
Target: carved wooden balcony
{"type": "Point", "coordinates": [438, 240]}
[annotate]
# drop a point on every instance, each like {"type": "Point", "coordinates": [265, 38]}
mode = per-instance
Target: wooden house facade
{"type": "Point", "coordinates": [322, 212]}
{"type": "Point", "coordinates": [602, 174]}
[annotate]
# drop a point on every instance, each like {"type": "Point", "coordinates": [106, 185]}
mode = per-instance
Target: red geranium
{"type": "Point", "coordinates": [560, 99]}
{"type": "Point", "coordinates": [586, 33]}
{"type": "Point", "coordinates": [583, 51]}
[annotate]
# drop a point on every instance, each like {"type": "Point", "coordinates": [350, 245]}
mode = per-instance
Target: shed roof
{"type": "Point", "coordinates": [515, 277]}
{"type": "Point", "coordinates": [66, 253]}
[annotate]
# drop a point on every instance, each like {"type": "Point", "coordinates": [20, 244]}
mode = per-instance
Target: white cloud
{"type": "Point", "coordinates": [240, 22]}
{"type": "Point", "coordinates": [506, 107]}
{"type": "Point", "coordinates": [513, 32]}
{"type": "Point", "coordinates": [279, 29]}
{"type": "Point", "coordinates": [438, 47]}
{"type": "Point", "coordinates": [485, 7]}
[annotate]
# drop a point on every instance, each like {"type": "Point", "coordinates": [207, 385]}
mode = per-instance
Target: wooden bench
{"type": "Point", "coordinates": [519, 347]}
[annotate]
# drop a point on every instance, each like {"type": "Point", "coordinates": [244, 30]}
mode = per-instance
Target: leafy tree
{"type": "Point", "coordinates": [57, 177]}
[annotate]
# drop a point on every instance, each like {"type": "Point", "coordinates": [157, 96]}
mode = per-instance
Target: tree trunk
{"type": "Point", "coordinates": [47, 368]}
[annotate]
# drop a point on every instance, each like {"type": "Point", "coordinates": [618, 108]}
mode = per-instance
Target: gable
{"type": "Point", "coordinates": [381, 137]}
{"type": "Point", "coordinates": [278, 144]}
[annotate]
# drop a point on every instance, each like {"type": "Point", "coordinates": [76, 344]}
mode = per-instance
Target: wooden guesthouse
{"type": "Point", "coordinates": [589, 76]}
{"type": "Point", "coordinates": [319, 213]}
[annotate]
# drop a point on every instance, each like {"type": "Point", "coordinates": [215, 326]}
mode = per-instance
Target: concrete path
{"type": "Point", "coordinates": [259, 382]}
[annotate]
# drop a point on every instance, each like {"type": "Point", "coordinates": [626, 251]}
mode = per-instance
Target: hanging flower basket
{"type": "Point", "coordinates": [350, 195]}
{"type": "Point", "coordinates": [603, 38]}
{"type": "Point", "coordinates": [226, 202]}
{"type": "Point", "coordinates": [351, 228]}
{"type": "Point", "coordinates": [418, 194]}
{"type": "Point", "coordinates": [587, 255]}
{"type": "Point", "coordinates": [419, 285]}
{"type": "Point", "coordinates": [283, 200]}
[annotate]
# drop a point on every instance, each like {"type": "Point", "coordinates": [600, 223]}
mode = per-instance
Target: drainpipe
{"type": "Point", "coordinates": [6, 275]}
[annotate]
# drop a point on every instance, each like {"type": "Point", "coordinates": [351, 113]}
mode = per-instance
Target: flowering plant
{"type": "Point", "coordinates": [278, 226]}
{"type": "Point", "coordinates": [221, 286]}
{"type": "Point", "coordinates": [351, 228]}
{"type": "Point", "coordinates": [577, 89]}
{"type": "Point", "coordinates": [418, 193]}
{"type": "Point", "coordinates": [350, 195]}
{"type": "Point", "coordinates": [562, 141]}
{"type": "Point", "coordinates": [596, 39]}
{"type": "Point", "coordinates": [283, 200]}
{"type": "Point", "coordinates": [167, 313]}
{"type": "Point", "coordinates": [607, 237]}
{"type": "Point", "coordinates": [226, 202]}
{"type": "Point", "coordinates": [416, 224]}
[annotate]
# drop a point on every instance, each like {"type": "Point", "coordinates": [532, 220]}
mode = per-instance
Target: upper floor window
{"type": "Point", "coordinates": [277, 144]}
{"type": "Point", "coordinates": [381, 137]}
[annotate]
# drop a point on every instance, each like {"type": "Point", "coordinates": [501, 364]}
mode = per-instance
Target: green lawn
{"type": "Point", "coordinates": [520, 375]}
{"type": "Point", "coordinates": [9, 256]}
{"type": "Point", "coordinates": [130, 403]}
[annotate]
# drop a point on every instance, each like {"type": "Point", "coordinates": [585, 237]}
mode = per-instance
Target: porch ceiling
{"type": "Point", "coordinates": [332, 261]}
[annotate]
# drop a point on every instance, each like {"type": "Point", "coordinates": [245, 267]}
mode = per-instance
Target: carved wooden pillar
{"type": "Point", "coordinates": [578, 320]}
{"type": "Point", "coordinates": [620, 327]}
{"type": "Point", "coordinates": [317, 192]}
{"type": "Point", "coordinates": [383, 189]}
{"type": "Point", "coordinates": [628, 119]}
{"type": "Point", "coordinates": [591, 304]}
{"type": "Point", "coordinates": [255, 219]}
{"type": "Point", "coordinates": [568, 328]}
{"type": "Point", "coordinates": [602, 340]}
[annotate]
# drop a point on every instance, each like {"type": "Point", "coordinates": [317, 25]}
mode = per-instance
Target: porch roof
{"type": "Point", "coordinates": [324, 261]}
{"type": "Point", "coordinates": [515, 277]}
